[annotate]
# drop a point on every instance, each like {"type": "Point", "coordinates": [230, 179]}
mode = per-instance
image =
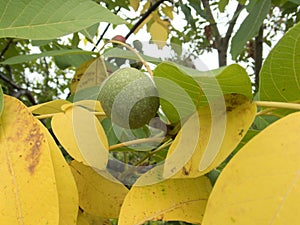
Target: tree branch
{"type": "Point", "coordinates": [258, 55]}
{"type": "Point", "coordinates": [233, 22]}
{"type": "Point", "coordinates": [144, 16]}
{"type": "Point", "coordinates": [104, 31]}
{"type": "Point", "coordinates": [6, 47]}
{"type": "Point", "coordinates": [211, 21]}
{"type": "Point", "coordinates": [21, 91]}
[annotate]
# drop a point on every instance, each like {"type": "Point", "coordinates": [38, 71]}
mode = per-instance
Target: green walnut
{"type": "Point", "coordinates": [129, 98]}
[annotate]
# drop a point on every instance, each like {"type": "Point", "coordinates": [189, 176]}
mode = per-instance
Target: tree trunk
{"type": "Point", "coordinates": [222, 53]}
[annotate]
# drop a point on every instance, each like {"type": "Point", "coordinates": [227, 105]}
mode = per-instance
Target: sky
{"type": "Point", "coordinates": [206, 61]}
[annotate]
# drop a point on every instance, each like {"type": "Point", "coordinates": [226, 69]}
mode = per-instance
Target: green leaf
{"type": "Point", "coordinates": [261, 122]}
{"type": "Point", "coordinates": [43, 19]}
{"type": "Point", "coordinates": [280, 74]}
{"type": "Point", "coordinates": [249, 26]}
{"type": "Point", "coordinates": [1, 101]}
{"type": "Point", "coordinates": [66, 61]}
{"type": "Point", "coordinates": [222, 4]}
{"type": "Point", "coordinates": [182, 89]}
{"type": "Point", "coordinates": [62, 52]}
{"type": "Point", "coordinates": [109, 131]}
{"type": "Point", "coordinates": [90, 93]}
{"type": "Point", "coordinates": [195, 4]}
{"type": "Point", "coordinates": [90, 32]}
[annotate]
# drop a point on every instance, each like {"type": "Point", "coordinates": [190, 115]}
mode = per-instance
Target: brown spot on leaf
{"type": "Point", "coordinates": [241, 132]}
{"type": "Point", "coordinates": [35, 138]}
{"type": "Point", "coordinates": [185, 171]}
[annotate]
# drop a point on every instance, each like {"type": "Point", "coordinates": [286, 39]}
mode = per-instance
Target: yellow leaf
{"type": "Point", "coordinates": [100, 193]}
{"type": "Point", "coordinates": [168, 11]}
{"type": "Point", "coordinates": [48, 107]}
{"type": "Point", "coordinates": [202, 144]}
{"type": "Point", "coordinates": [260, 185]}
{"type": "Point", "coordinates": [95, 220]}
{"type": "Point", "coordinates": [91, 73]}
{"type": "Point", "coordinates": [28, 192]}
{"type": "Point", "coordinates": [135, 4]}
{"type": "Point", "coordinates": [172, 199]}
{"type": "Point", "coordinates": [146, 6]}
{"type": "Point", "coordinates": [81, 134]}
{"type": "Point", "coordinates": [145, 21]}
{"type": "Point", "coordinates": [159, 33]}
{"type": "Point", "coordinates": [66, 186]}
{"type": "Point", "coordinates": [81, 219]}
{"type": "Point", "coordinates": [91, 105]}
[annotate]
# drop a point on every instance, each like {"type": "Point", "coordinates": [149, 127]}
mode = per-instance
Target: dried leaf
{"type": "Point", "coordinates": [100, 193]}
{"type": "Point", "coordinates": [260, 185]}
{"type": "Point", "coordinates": [28, 188]}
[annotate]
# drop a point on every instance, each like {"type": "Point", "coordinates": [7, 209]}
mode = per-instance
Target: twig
{"type": "Point", "coordinates": [11, 83]}
{"type": "Point", "coordinates": [136, 53]}
{"type": "Point", "coordinates": [211, 20]}
{"type": "Point", "coordinates": [104, 31]}
{"type": "Point", "coordinates": [134, 142]}
{"type": "Point", "coordinates": [233, 22]}
{"type": "Point", "coordinates": [278, 105]}
{"type": "Point", "coordinates": [6, 47]}
{"type": "Point", "coordinates": [144, 16]}
{"type": "Point", "coordinates": [163, 146]}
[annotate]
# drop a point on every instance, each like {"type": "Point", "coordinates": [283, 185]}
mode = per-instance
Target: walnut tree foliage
{"type": "Point", "coordinates": [218, 151]}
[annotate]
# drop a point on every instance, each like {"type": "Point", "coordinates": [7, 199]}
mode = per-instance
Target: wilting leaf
{"type": "Point", "coordinates": [28, 187]}
{"type": "Point", "coordinates": [261, 182]}
{"type": "Point", "coordinates": [82, 136]}
{"type": "Point", "coordinates": [48, 107]}
{"type": "Point", "coordinates": [66, 186]}
{"type": "Point", "coordinates": [209, 136]}
{"type": "Point", "coordinates": [173, 199]}
{"type": "Point", "coordinates": [100, 193]}
{"type": "Point", "coordinates": [42, 19]}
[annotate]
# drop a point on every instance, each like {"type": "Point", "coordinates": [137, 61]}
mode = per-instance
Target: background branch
{"type": "Point", "coordinates": [6, 47]}
{"type": "Point", "coordinates": [233, 22]}
{"type": "Point", "coordinates": [144, 16]}
{"type": "Point", "coordinates": [211, 20]}
{"type": "Point", "coordinates": [20, 91]}
{"type": "Point", "coordinates": [104, 32]}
